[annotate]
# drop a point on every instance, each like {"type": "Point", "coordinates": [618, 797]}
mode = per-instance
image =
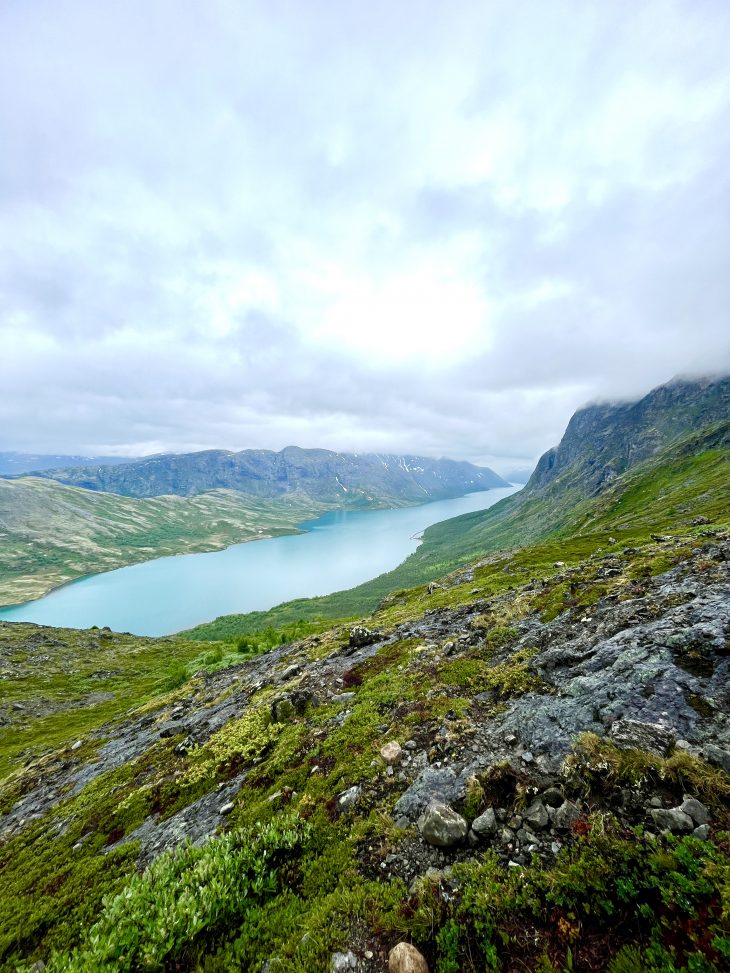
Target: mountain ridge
{"type": "Point", "coordinates": [322, 474]}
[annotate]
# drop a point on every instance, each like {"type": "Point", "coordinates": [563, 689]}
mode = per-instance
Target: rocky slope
{"type": "Point", "coordinates": [550, 753]}
{"type": "Point", "coordinates": [524, 765]}
{"type": "Point", "coordinates": [322, 475]}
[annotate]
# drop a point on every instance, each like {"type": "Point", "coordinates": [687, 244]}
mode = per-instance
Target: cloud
{"type": "Point", "coordinates": [419, 227]}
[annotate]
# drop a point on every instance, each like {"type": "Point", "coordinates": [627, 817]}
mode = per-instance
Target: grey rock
{"type": "Point", "coordinates": [696, 810]}
{"type": "Point", "coordinates": [536, 815]}
{"type": "Point", "coordinates": [342, 962]}
{"type": "Point", "coordinates": [566, 814]}
{"type": "Point", "coordinates": [674, 820]}
{"type": "Point", "coordinates": [361, 636]}
{"type": "Point", "coordinates": [442, 826]}
{"type": "Point", "coordinates": [432, 785]}
{"type": "Point", "coordinates": [635, 735]}
{"type": "Point", "coordinates": [350, 797]}
{"type": "Point", "coordinates": [486, 824]}
{"type": "Point", "coordinates": [703, 832]}
{"type": "Point", "coordinates": [226, 808]}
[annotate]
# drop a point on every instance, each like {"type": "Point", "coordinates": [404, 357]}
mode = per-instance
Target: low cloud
{"type": "Point", "coordinates": [388, 227]}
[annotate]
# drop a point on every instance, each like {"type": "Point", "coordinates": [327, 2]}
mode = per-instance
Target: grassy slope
{"type": "Point", "coordinates": [689, 478]}
{"type": "Point", "coordinates": [610, 881]}
{"type": "Point", "coordinates": [51, 533]}
{"type": "Point", "coordinates": [60, 684]}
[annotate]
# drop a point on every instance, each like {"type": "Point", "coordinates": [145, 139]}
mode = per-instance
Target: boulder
{"type": "Point", "coordinates": [431, 785]}
{"type": "Point", "coordinates": [442, 826]}
{"type": "Point", "coordinates": [405, 958]}
{"type": "Point", "coordinates": [536, 815]}
{"type": "Point", "coordinates": [566, 814]}
{"type": "Point", "coordinates": [674, 820]}
{"type": "Point", "coordinates": [650, 737]}
{"type": "Point", "coordinates": [361, 636]}
{"type": "Point", "coordinates": [486, 824]}
{"type": "Point", "coordinates": [696, 810]}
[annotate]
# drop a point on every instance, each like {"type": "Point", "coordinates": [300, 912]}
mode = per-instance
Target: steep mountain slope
{"type": "Point", "coordinates": [668, 475]}
{"type": "Point", "coordinates": [324, 476]}
{"type": "Point", "coordinates": [51, 533]}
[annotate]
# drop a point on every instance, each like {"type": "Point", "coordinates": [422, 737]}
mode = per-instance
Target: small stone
{"type": "Point", "coordinates": [405, 958]}
{"type": "Point", "coordinates": [696, 810]}
{"type": "Point", "coordinates": [77, 745]}
{"type": "Point", "coordinates": [368, 954]}
{"type": "Point", "coordinates": [350, 797]}
{"type": "Point", "coordinates": [515, 821]}
{"type": "Point", "coordinates": [674, 820]}
{"type": "Point", "coordinates": [290, 672]}
{"type": "Point", "coordinates": [703, 832]}
{"type": "Point", "coordinates": [566, 814]}
{"type": "Point", "coordinates": [485, 824]}
{"type": "Point", "coordinates": [341, 962]}
{"type": "Point", "coordinates": [442, 826]}
{"type": "Point", "coordinates": [391, 752]}
{"type": "Point", "coordinates": [389, 771]}
{"type": "Point", "coordinates": [226, 808]}
{"type": "Point", "coordinates": [410, 745]}
{"type": "Point", "coordinates": [510, 739]}
{"type": "Point", "coordinates": [527, 757]}
{"type": "Point", "coordinates": [19, 707]}
{"type": "Point", "coordinates": [656, 802]}
{"type": "Point", "coordinates": [536, 815]}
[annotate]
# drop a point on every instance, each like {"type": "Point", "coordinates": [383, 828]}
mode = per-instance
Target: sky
{"type": "Point", "coordinates": [425, 227]}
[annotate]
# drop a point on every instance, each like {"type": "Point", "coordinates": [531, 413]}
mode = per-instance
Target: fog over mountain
{"type": "Point", "coordinates": [424, 228]}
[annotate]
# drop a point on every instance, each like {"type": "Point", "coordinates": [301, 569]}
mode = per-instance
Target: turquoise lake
{"type": "Point", "coordinates": [339, 550]}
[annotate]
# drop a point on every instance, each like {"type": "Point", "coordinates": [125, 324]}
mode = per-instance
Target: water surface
{"type": "Point", "coordinates": [339, 550]}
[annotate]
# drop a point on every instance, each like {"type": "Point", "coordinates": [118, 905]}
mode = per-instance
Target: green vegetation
{"type": "Point", "coordinates": [61, 684]}
{"type": "Point", "coordinates": [51, 534]}
{"type": "Point", "coordinates": [687, 480]}
{"type": "Point", "coordinates": [308, 854]}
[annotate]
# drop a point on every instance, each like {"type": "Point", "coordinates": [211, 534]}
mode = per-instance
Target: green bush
{"type": "Point", "coordinates": [184, 900]}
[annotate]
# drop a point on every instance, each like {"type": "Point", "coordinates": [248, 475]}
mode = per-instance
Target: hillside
{"type": "Point", "coordinates": [668, 457]}
{"type": "Point", "coordinates": [524, 769]}
{"type": "Point", "coordinates": [51, 534]}
{"type": "Point", "coordinates": [523, 766]}
{"type": "Point", "coordinates": [326, 477]}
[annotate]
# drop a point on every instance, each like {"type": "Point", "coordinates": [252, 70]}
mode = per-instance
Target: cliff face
{"type": "Point", "coordinates": [603, 441]}
{"type": "Point", "coordinates": [319, 473]}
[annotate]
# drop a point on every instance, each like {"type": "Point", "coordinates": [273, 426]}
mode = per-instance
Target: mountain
{"type": "Point", "coordinates": [618, 470]}
{"type": "Point", "coordinates": [523, 765]}
{"type": "Point", "coordinates": [16, 464]}
{"type": "Point", "coordinates": [603, 441]}
{"type": "Point", "coordinates": [322, 475]}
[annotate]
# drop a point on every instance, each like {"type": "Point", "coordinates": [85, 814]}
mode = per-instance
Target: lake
{"type": "Point", "coordinates": [338, 551]}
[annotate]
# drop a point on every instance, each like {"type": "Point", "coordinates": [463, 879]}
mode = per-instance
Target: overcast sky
{"type": "Point", "coordinates": [432, 227]}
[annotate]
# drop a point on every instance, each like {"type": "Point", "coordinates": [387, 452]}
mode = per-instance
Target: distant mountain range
{"type": "Point", "coordinates": [349, 479]}
{"type": "Point", "coordinates": [15, 464]}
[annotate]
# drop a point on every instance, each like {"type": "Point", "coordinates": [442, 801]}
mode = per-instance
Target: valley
{"type": "Point", "coordinates": [510, 753]}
